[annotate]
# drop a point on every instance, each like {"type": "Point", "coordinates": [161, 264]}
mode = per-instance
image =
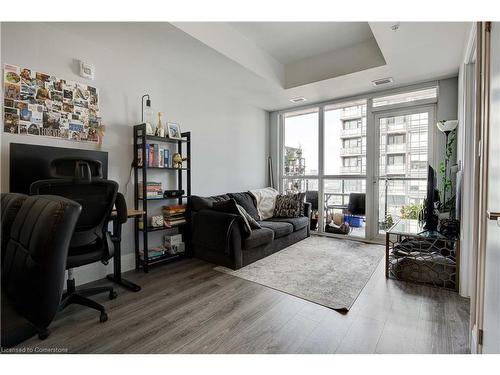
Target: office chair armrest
{"type": "Point", "coordinates": [121, 208]}
{"type": "Point", "coordinates": [307, 210]}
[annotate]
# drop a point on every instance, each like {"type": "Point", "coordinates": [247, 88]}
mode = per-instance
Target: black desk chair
{"type": "Point", "coordinates": [357, 204]}
{"type": "Point", "coordinates": [34, 265]}
{"type": "Point", "coordinates": [312, 197]}
{"type": "Point", "coordinates": [91, 241]}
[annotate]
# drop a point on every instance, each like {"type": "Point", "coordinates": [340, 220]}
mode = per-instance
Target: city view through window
{"type": "Point", "coordinates": [402, 164]}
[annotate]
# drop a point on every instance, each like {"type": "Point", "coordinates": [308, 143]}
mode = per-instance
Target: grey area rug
{"type": "Point", "coordinates": [322, 270]}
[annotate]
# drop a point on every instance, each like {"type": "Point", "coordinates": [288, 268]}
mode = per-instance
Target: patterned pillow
{"type": "Point", "coordinates": [290, 205]}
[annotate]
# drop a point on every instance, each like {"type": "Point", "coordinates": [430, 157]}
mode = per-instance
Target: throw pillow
{"type": "Point", "coordinates": [290, 205]}
{"type": "Point", "coordinates": [265, 200]}
{"type": "Point", "coordinates": [231, 207]}
{"type": "Point", "coordinates": [250, 220]}
{"type": "Point", "coordinates": [246, 201]}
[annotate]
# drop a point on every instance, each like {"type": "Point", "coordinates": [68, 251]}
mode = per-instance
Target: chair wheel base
{"type": "Point", "coordinates": [43, 334]}
{"type": "Point", "coordinates": [113, 295]}
{"type": "Point", "coordinates": [103, 318]}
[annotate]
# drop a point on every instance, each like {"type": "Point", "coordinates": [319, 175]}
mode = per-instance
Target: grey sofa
{"type": "Point", "coordinates": [220, 237]}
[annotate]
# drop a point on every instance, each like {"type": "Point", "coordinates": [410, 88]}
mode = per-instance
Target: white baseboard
{"type": "Point", "coordinates": [96, 271]}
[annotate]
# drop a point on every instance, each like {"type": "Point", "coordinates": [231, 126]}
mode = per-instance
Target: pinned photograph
{"type": "Point", "coordinates": [11, 122]}
{"type": "Point", "coordinates": [41, 78]}
{"type": "Point", "coordinates": [51, 120]}
{"type": "Point", "coordinates": [68, 94]}
{"type": "Point", "coordinates": [25, 114]}
{"type": "Point", "coordinates": [12, 91]}
{"type": "Point", "coordinates": [26, 76]}
{"type": "Point", "coordinates": [67, 107]}
{"type": "Point", "coordinates": [56, 96]}
{"type": "Point", "coordinates": [42, 94]}
{"type": "Point", "coordinates": [33, 129]}
{"type": "Point", "coordinates": [23, 127]}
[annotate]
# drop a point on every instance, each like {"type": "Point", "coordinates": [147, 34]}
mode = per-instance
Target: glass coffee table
{"type": "Point", "coordinates": [426, 257]}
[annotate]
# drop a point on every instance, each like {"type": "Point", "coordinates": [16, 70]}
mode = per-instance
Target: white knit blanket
{"type": "Point", "coordinates": [266, 200]}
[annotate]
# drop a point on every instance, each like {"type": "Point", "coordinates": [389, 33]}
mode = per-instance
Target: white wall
{"type": "Point", "coordinates": [229, 136]}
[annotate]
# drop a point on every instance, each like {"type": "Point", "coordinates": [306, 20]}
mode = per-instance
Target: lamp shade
{"type": "Point", "coordinates": [447, 126]}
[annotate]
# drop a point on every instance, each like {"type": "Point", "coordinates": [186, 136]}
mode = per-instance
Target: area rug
{"type": "Point", "coordinates": [322, 270]}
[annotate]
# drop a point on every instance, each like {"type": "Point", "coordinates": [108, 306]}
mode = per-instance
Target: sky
{"type": "Point", "coordinates": [303, 131]}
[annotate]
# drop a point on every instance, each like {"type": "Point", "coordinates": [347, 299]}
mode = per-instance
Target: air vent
{"type": "Point", "coordinates": [382, 81]}
{"type": "Point", "coordinates": [299, 99]}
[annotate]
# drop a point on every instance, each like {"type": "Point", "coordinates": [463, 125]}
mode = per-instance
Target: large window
{"type": "Point", "coordinates": [349, 157]}
{"type": "Point", "coordinates": [300, 156]}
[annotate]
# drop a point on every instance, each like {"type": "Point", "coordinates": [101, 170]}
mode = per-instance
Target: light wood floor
{"type": "Point", "coordinates": [187, 307]}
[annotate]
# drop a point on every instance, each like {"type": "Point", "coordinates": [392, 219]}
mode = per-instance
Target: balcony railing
{"type": "Point", "coordinates": [351, 169]}
{"type": "Point", "coordinates": [395, 169]}
{"type": "Point", "coordinates": [396, 127]}
{"type": "Point", "coordinates": [352, 113]}
{"type": "Point", "coordinates": [357, 132]}
{"type": "Point", "coordinates": [395, 148]}
{"type": "Point", "coordinates": [350, 151]}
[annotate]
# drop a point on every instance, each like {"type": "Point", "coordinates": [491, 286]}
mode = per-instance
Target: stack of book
{"type": "Point", "coordinates": [174, 215]}
{"type": "Point", "coordinates": [153, 190]}
{"type": "Point", "coordinates": [153, 253]}
{"type": "Point", "coordinates": [173, 244]}
{"type": "Point", "coordinates": [156, 156]}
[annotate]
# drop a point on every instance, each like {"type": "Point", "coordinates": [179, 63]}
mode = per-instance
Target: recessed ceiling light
{"type": "Point", "coordinates": [382, 81]}
{"type": "Point", "coordinates": [395, 27]}
{"type": "Point", "coordinates": [298, 99]}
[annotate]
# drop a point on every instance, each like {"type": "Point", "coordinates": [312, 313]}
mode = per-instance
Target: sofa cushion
{"type": "Point", "coordinates": [280, 229]}
{"type": "Point", "coordinates": [231, 207]}
{"type": "Point", "coordinates": [252, 223]}
{"type": "Point", "coordinates": [290, 205]}
{"type": "Point", "coordinates": [258, 237]}
{"type": "Point", "coordinates": [247, 201]}
{"type": "Point", "coordinates": [197, 203]}
{"type": "Point", "coordinates": [297, 222]}
{"type": "Point", "coordinates": [265, 199]}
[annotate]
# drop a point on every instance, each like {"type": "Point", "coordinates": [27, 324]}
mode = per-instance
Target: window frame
{"type": "Point", "coordinates": [368, 167]}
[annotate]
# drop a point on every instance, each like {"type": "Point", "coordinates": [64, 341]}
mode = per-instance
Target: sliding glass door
{"type": "Point", "coordinates": [404, 145]}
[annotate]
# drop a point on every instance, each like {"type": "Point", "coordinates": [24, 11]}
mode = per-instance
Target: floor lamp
{"type": "Point", "coordinates": [446, 127]}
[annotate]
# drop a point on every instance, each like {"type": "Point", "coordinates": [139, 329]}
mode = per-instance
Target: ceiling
{"type": "Point", "coordinates": [216, 56]}
{"type": "Point", "coordinates": [415, 52]}
{"type": "Point", "coordinates": [289, 42]}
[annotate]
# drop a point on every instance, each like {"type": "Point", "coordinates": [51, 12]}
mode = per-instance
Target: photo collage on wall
{"type": "Point", "coordinates": [38, 104]}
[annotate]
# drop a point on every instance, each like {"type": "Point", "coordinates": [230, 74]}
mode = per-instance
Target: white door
{"type": "Point", "coordinates": [491, 308]}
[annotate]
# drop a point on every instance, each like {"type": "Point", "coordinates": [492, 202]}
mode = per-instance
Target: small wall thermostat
{"type": "Point", "coordinates": [87, 70]}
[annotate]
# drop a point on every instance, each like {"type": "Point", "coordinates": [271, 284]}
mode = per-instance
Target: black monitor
{"type": "Point", "coordinates": [30, 163]}
{"type": "Point", "coordinates": [431, 220]}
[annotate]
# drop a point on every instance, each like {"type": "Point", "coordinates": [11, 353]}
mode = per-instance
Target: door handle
{"type": "Point", "coordinates": [494, 216]}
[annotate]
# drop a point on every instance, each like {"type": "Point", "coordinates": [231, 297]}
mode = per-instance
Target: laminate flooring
{"type": "Point", "coordinates": [187, 307]}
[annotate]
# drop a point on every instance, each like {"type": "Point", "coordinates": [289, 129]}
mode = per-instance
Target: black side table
{"type": "Point", "coordinates": [425, 257]}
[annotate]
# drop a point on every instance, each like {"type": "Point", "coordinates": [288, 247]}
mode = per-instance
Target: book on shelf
{"type": "Point", "coordinates": [160, 251]}
{"type": "Point", "coordinates": [174, 215]}
{"type": "Point", "coordinates": [166, 158]}
{"type": "Point", "coordinates": [156, 156]}
{"type": "Point", "coordinates": [153, 190]}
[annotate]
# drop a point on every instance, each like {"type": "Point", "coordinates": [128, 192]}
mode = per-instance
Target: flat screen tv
{"type": "Point", "coordinates": [30, 163]}
{"type": "Point", "coordinates": [430, 219]}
